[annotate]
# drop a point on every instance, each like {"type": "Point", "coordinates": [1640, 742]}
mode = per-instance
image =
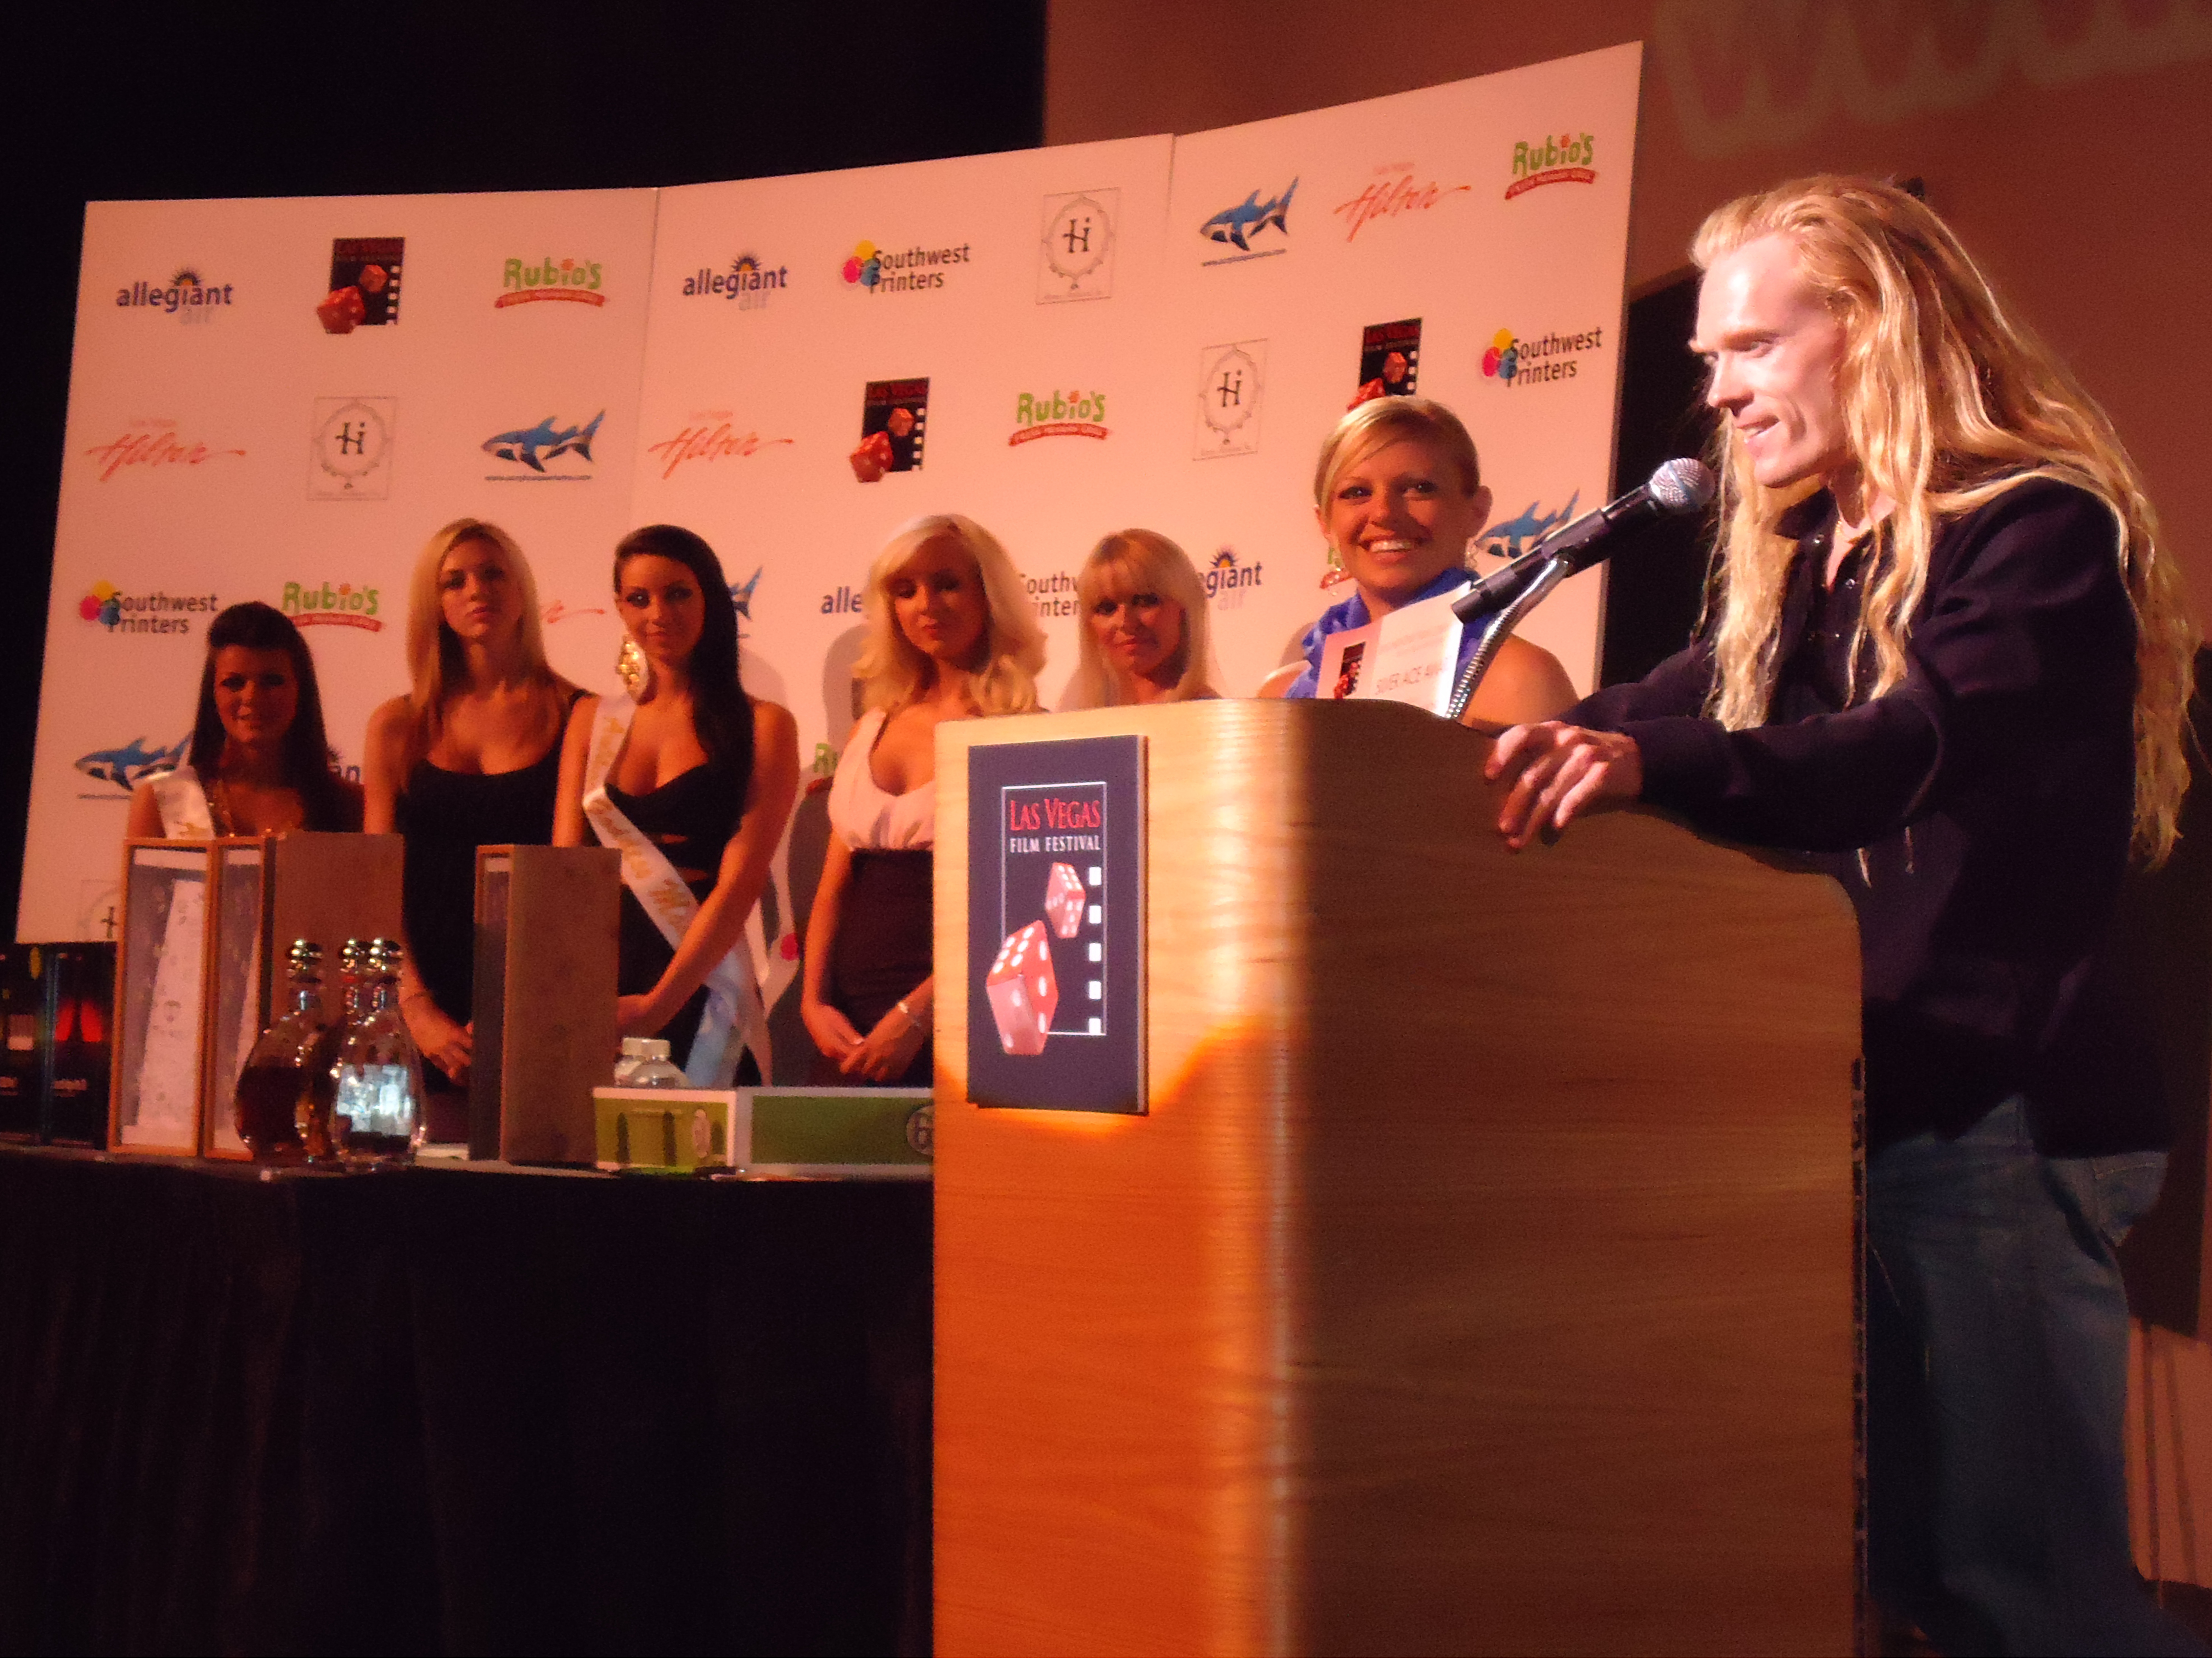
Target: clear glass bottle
{"type": "Point", "coordinates": [377, 1114]}
{"type": "Point", "coordinates": [654, 1070]}
{"type": "Point", "coordinates": [319, 1132]}
{"type": "Point", "coordinates": [278, 1083]}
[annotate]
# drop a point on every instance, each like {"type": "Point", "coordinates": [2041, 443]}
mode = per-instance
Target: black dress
{"type": "Point", "coordinates": [690, 819]}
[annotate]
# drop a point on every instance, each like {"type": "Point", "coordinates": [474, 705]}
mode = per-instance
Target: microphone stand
{"type": "Point", "coordinates": [1555, 569]}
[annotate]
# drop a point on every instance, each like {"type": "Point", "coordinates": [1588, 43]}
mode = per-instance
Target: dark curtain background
{"type": "Point", "coordinates": [133, 101]}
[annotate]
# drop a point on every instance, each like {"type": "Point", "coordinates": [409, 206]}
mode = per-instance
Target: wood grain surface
{"type": "Point", "coordinates": [1482, 1277]}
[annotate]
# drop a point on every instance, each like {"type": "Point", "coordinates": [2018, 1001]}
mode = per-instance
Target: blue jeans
{"type": "Point", "coordinates": [1997, 1393]}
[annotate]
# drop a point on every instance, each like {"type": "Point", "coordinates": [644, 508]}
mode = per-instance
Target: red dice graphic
{"type": "Point", "coordinates": [1023, 991]}
{"type": "Point", "coordinates": [1064, 900]}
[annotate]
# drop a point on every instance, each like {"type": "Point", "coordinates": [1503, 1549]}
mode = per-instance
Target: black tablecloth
{"type": "Point", "coordinates": [459, 1410]}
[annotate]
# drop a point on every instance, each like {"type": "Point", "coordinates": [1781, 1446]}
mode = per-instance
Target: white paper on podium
{"type": "Point", "coordinates": [1414, 656]}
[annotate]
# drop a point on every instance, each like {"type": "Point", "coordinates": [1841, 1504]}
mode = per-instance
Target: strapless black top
{"type": "Point", "coordinates": [690, 818]}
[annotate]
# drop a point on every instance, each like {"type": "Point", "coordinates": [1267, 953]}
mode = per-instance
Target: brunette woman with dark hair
{"type": "Point", "coordinates": [692, 781]}
{"type": "Point", "coordinates": [260, 761]}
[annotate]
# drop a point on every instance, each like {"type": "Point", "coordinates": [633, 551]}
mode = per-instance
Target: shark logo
{"type": "Point", "coordinates": [127, 766]}
{"type": "Point", "coordinates": [532, 446]}
{"type": "Point", "coordinates": [1237, 226]}
{"type": "Point", "coordinates": [741, 597]}
{"type": "Point", "coordinates": [1514, 537]}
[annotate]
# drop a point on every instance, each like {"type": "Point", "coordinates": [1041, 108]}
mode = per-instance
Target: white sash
{"type": "Point", "coordinates": [736, 1017]}
{"type": "Point", "coordinates": [184, 804]}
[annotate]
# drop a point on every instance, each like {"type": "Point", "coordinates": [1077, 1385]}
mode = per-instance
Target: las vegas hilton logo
{"type": "Point", "coordinates": [349, 458]}
{"type": "Point", "coordinates": [1231, 381]}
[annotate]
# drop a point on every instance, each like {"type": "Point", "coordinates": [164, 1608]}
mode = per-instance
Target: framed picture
{"type": "Point", "coordinates": [159, 1088]}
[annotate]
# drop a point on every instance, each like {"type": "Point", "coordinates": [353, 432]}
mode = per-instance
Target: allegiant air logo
{"type": "Point", "coordinates": [1227, 579]}
{"type": "Point", "coordinates": [747, 281]}
{"type": "Point", "coordinates": [185, 295]}
{"type": "Point", "coordinates": [550, 279]}
{"type": "Point", "coordinates": [1560, 159]}
{"type": "Point", "coordinates": [344, 606]}
{"type": "Point", "coordinates": [1059, 414]}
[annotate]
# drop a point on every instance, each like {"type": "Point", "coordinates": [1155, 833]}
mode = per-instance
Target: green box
{"type": "Point", "coordinates": [884, 1133]}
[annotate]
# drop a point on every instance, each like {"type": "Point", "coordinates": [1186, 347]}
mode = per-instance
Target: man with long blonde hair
{"type": "Point", "coordinates": [1947, 653]}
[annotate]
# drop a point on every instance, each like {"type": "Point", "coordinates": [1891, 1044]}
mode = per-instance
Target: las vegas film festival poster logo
{"type": "Point", "coordinates": [115, 611]}
{"type": "Point", "coordinates": [1561, 158]}
{"type": "Point", "coordinates": [552, 452]}
{"type": "Point", "coordinates": [1539, 360]}
{"type": "Point", "coordinates": [318, 604]}
{"type": "Point", "coordinates": [350, 454]}
{"type": "Point", "coordinates": [1231, 381]}
{"type": "Point", "coordinates": [1396, 190]}
{"type": "Point", "coordinates": [1248, 222]}
{"type": "Point", "coordinates": [364, 284]}
{"type": "Point", "coordinates": [708, 435]}
{"type": "Point", "coordinates": [1075, 258]}
{"type": "Point", "coordinates": [1389, 361]}
{"type": "Point", "coordinates": [1073, 414]}
{"type": "Point", "coordinates": [152, 446]}
{"type": "Point", "coordinates": [894, 422]}
{"type": "Point", "coordinates": [747, 281]}
{"type": "Point", "coordinates": [578, 281]}
{"type": "Point", "coordinates": [873, 270]}
{"type": "Point", "coordinates": [186, 296]}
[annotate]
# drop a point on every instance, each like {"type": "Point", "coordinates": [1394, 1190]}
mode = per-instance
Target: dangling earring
{"type": "Point", "coordinates": [630, 666]}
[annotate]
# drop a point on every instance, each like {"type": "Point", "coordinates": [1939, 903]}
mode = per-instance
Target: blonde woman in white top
{"type": "Point", "coordinates": [950, 636]}
{"type": "Point", "coordinates": [1143, 634]}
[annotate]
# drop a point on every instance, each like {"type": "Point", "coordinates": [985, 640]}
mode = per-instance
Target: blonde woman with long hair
{"type": "Point", "coordinates": [1947, 650]}
{"type": "Point", "coordinates": [951, 635]}
{"type": "Point", "coordinates": [1142, 632]}
{"type": "Point", "coordinates": [469, 756]}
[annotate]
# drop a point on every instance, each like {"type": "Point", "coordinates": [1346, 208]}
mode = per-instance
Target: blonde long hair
{"type": "Point", "coordinates": [893, 672]}
{"type": "Point", "coordinates": [1129, 561]}
{"type": "Point", "coordinates": [434, 660]}
{"type": "Point", "coordinates": [1949, 402]}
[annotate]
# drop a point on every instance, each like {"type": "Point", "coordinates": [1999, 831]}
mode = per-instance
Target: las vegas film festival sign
{"type": "Point", "coordinates": [280, 400]}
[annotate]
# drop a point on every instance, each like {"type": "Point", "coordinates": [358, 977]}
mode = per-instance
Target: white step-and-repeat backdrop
{"type": "Point", "coordinates": [1058, 343]}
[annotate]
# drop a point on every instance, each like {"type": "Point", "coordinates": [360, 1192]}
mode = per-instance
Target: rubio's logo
{"type": "Point", "coordinates": [1059, 414]}
{"type": "Point", "coordinates": [874, 271]}
{"type": "Point", "coordinates": [747, 281]}
{"type": "Point", "coordinates": [186, 294]}
{"type": "Point", "coordinates": [1226, 580]}
{"type": "Point", "coordinates": [1517, 363]}
{"type": "Point", "coordinates": [152, 445]}
{"type": "Point", "coordinates": [1237, 226]}
{"type": "Point", "coordinates": [142, 613]}
{"type": "Point", "coordinates": [576, 280]}
{"type": "Point", "coordinates": [1564, 159]}
{"type": "Point", "coordinates": [345, 605]}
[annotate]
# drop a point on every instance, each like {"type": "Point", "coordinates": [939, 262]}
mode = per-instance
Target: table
{"type": "Point", "coordinates": [460, 1409]}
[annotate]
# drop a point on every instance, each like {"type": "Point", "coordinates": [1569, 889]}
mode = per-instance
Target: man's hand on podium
{"type": "Point", "coordinates": [1558, 771]}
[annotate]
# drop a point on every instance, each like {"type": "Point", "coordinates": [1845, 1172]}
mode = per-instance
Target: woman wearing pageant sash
{"type": "Point", "coordinates": [1143, 633]}
{"type": "Point", "coordinates": [692, 781]}
{"type": "Point", "coordinates": [1398, 492]}
{"type": "Point", "coordinates": [260, 761]}
{"type": "Point", "coordinates": [950, 636]}
{"type": "Point", "coordinates": [468, 758]}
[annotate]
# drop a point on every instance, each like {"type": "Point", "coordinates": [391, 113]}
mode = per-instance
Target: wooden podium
{"type": "Point", "coordinates": [1482, 1276]}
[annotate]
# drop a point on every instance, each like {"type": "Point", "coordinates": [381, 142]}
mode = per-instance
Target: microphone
{"type": "Point", "coordinates": [1677, 487]}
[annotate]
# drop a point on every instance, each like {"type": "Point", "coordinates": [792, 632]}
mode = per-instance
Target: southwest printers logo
{"type": "Point", "coordinates": [747, 281]}
{"type": "Point", "coordinates": [1561, 158]}
{"type": "Point", "coordinates": [185, 295]}
{"type": "Point", "coordinates": [142, 613]}
{"type": "Point", "coordinates": [1517, 363]}
{"type": "Point", "coordinates": [574, 280]}
{"type": "Point", "coordinates": [1059, 414]}
{"type": "Point", "coordinates": [872, 271]}
{"type": "Point", "coordinates": [344, 606]}
{"type": "Point", "coordinates": [151, 445]}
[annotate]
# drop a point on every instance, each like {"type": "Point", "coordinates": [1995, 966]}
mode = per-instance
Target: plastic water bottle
{"type": "Point", "coordinates": [653, 1069]}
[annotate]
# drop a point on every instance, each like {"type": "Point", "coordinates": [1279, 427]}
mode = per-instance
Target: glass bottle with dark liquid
{"type": "Point", "coordinates": [276, 1088]}
{"type": "Point", "coordinates": [377, 1113]}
